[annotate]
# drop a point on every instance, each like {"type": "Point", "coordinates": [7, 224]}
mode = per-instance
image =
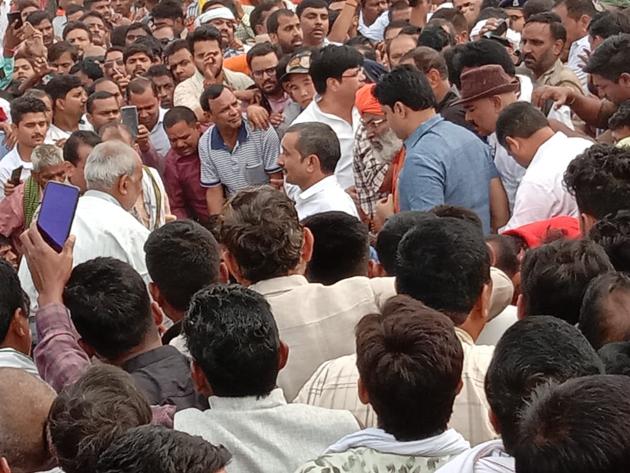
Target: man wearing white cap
{"type": "Point", "coordinates": [224, 20]}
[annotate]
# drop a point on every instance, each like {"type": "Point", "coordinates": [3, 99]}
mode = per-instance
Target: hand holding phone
{"type": "Point", "coordinates": [16, 175]}
{"type": "Point", "coordinates": [15, 19]}
{"type": "Point", "coordinates": [57, 213]}
{"type": "Point", "coordinates": [129, 118]}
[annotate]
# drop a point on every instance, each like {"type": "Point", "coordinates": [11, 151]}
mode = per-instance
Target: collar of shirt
{"type": "Point", "coordinates": [554, 70]}
{"type": "Point", "coordinates": [103, 196]}
{"type": "Point", "coordinates": [464, 337]}
{"type": "Point", "coordinates": [449, 98]}
{"type": "Point", "coordinates": [279, 285]}
{"type": "Point", "coordinates": [422, 130]}
{"type": "Point", "coordinates": [216, 140]}
{"type": "Point", "coordinates": [159, 122]}
{"type": "Point", "coordinates": [548, 148]}
{"type": "Point", "coordinates": [578, 46]}
{"type": "Point", "coordinates": [248, 403]}
{"type": "Point", "coordinates": [318, 187]}
{"type": "Point", "coordinates": [150, 357]}
{"type": "Point", "coordinates": [356, 116]}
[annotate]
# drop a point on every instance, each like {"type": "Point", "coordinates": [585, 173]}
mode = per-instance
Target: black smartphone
{"type": "Point", "coordinates": [501, 29]}
{"type": "Point", "coordinates": [16, 175]}
{"type": "Point", "coordinates": [15, 18]}
{"type": "Point", "coordinates": [57, 213]}
{"type": "Point", "coordinates": [129, 118]}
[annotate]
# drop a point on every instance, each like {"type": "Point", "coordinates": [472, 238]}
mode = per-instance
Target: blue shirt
{"type": "Point", "coordinates": [446, 164]}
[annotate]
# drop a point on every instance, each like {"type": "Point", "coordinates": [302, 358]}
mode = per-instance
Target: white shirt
{"type": "Point", "coordinates": [376, 30]}
{"type": "Point", "coordinates": [345, 133]}
{"type": "Point", "coordinates": [580, 48]}
{"type": "Point", "coordinates": [158, 137]}
{"type": "Point", "coordinates": [266, 434]}
{"type": "Point", "coordinates": [55, 133]}
{"type": "Point", "coordinates": [324, 196]}
{"type": "Point", "coordinates": [510, 171]}
{"type": "Point", "coordinates": [8, 163]}
{"type": "Point", "coordinates": [102, 228]}
{"type": "Point", "coordinates": [541, 194]}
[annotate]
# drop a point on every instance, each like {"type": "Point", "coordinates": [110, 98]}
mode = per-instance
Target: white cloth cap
{"type": "Point", "coordinates": [223, 13]}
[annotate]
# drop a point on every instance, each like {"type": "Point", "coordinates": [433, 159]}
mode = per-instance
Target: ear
{"type": "Point", "coordinates": [482, 305]}
{"type": "Point", "coordinates": [513, 145]}
{"type": "Point", "coordinates": [307, 245]}
{"type": "Point", "coordinates": [624, 79]}
{"type": "Point", "coordinates": [497, 102]}
{"type": "Point", "coordinates": [494, 421]}
{"type": "Point", "coordinates": [520, 307]}
{"type": "Point", "coordinates": [433, 76]}
{"type": "Point", "coordinates": [558, 46]}
{"type": "Point", "coordinates": [87, 348]}
{"type": "Point", "coordinates": [156, 312]}
{"type": "Point", "coordinates": [399, 109]}
{"type": "Point", "coordinates": [332, 84]}
{"type": "Point", "coordinates": [372, 269]}
{"type": "Point", "coordinates": [586, 223]}
{"type": "Point", "coordinates": [233, 267]}
{"type": "Point", "coordinates": [202, 386]}
{"type": "Point", "coordinates": [313, 163]}
{"type": "Point", "coordinates": [378, 270]}
{"type": "Point", "coordinates": [283, 355]}
{"type": "Point", "coordinates": [154, 290]}
{"type": "Point", "coordinates": [123, 184]}
{"type": "Point", "coordinates": [89, 117]}
{"type": "Point", "coordinates": [224, 273]}
{"type": "Point", "coordinates": [364, 396]}
{"type": "Point", "coordinates": [460, 386]}
{"type": "Point", "coordinates": [4, 465]}
{"type": "Point", "coordinates": [585, 20]}
{"type": "Point", "coordinates": [273, 38]}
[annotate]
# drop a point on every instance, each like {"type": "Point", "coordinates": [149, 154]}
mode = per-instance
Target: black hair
{"type": "Point", "coordinates": [364, 46]}
{"type": "Point", "coordinates": [100, 95]}
{"type": "Point", "coordinates": [138, 48]}
{"type": "Point", "coordinates": [393, 25]}
{"type": "Point", "coordinates": [76, 25]}
{"type": "Point", "coordinates": [261, 49]}
{"type": "Point", "coordinates": [610, 59]}
{"type": "Point", "coordinates": [36, 17]}
{"type": "Point", "coordinates": [444, 263]}
{"type": "Point", "coordinates": [210, 93]}
{"type": "Point", "coordinates": [392, 232]}
{"type": "Point", "coordinates": [478, 53]}
{"type": "Point", "coordinates": [341, 249]}
{"type": "Point", "coordinates": [616, 358]}
{"type": "Point", "coordinates": [609, 23]}
{"type": "Point", "coordinates": [58, 49]}
{"type": "Point", "coordinates": [519, 120]}
{"type": "Point", "coordinates": [580, 426]}
{"type": "Point", "coordinates": [554, 277]}
{"type": "Point", "coordinates": [621, 117]}
{"type": "Point", "coordinates": [109, 305]}
{"type": "Point", "coordinates": [24, 105]}
{"type": "Point", "coordinates": [304, 4]}
{"type": "Point", "coordinates": [577, 8]}
{"type": "Point", "coordinates": [60, 85]}
{"type": "Point", "coordinates": [434, 36]}
{"type": "Point", "coordinates": [408, 85]}
{"type": "Point", "coordinates": [454, 17]}
{"type": "Point", "coordinates": [558, 32]}
{"type": "Point", "coordinates": [613, 234]}
{"type": "Point", "coordinates": [506, 253]}
{"type": "Point", "coordinates": [604, 312]}
{"type": "Point", "coordinates": [168, 9]}
{"type": "Point", "coordinates": [232, 335]}
{"type": "Point", "coordinates": [491, 12]}
{"type": "Point", "coordinates": [11, 297]}
{"type": "Point", "coordinates": [74, 8]}
{"type": "Point", "coordinates": [410, 362]}
{"type": "Point", "coordinates": [255, 17]}
{"type": "Point", "coordinates": [158, 70]}
{"type": "Point", "coordinates": [532, 7]}
{"type": "Point", "coordinates": [531, 352]}
{"type": "Point", "coordinates": [203, 33]}
{"type": "Point", "coordinates": [174, 46]}
{"type": "Point", "coordinates": [156, 449]}
{"type": "Point", "coordinates": [179, 114]}
{"type": "Point", "coordinates": [273, 21]}
{"type": "Point", "coordinates": [182, 257]}
{"type": "Point", "coordinates": [89, 67]}
{"type": "Point", "coordinates": [318, 139]}
{"type": "Point", "coordinates": [331, 62]}
{"type": "Point", "coordinates": [599, 178]}
{"type": "Point", "coordinates": [78, 138]}
{"type": "Point", "coordinates": [462, 213]}
{"type": "Point", "coordinates": [117, 36]}
{"type": "Point", "coordinates": [410, 30]}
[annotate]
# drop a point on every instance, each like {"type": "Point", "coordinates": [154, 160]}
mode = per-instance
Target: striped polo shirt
{"type": "Point", "coordinates": [254, 157]}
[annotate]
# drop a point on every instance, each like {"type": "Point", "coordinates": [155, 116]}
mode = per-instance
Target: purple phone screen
{"type": "Point", "coordinates": [57, 212]}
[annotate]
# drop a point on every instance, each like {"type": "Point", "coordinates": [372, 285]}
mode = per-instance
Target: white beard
{"type": "Point", "coordinates": [386, 147]}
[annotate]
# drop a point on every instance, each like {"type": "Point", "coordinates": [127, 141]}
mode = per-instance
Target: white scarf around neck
{"type": "Point", "coordinates": [488, 457]}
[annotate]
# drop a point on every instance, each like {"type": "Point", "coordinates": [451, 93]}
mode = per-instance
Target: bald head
{"type": "Point", "coordinates": [24, 405]}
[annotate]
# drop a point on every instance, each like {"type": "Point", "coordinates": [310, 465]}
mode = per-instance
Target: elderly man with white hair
{"type": "Point", "coordinates": [18, 209]}
{"type": "Point", "coordinates": [102, 223]}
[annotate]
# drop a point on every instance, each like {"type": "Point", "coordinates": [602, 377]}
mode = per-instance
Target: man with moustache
{"type": "Point", "coordinates": [285, 31]}
{"type": "Point", "coordinates": [313, 15]}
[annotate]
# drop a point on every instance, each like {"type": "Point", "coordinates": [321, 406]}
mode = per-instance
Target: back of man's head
{"type": "Point", "coordinates": [233, 340]}
{"type": "Point", "coordinates": [531, 352]}
{"type": "Point", "coordinates": [24, 405]}
{"type": "Point", "coordinates": [319, 139]}
{"type": "Point", "coordinates": [89, 414]}
{"type": "Point", "coordinates": [519, 120]}
{"type": "Point", "coordinates": [392, 232]}
{"type": "Point", "coordinates": [580, 426]}
{"type": "Point", "coordinates": [182, 257]}
{"type": "Point", "coordinates": [444, 263]}
{"type": "Point", "coordinates": [341, 249]}
{"type": "Point", "coordinates": [410, 365]}
{"type": "Point", "coordinates": [613, 234]}
{"type": "Point", "coordinates": [605, 312]}
{"type": "Point", "coordinates": [331, 62]}
{"type": "Point", "coordinates": [156, 449]}
{"type": "Point", "coordinates": [262, 233]}
{"type": "Point", "coordinates": [476, 54]}
{"type": "Point", "coordinates": [599, 178]}
{"type": "Point", "coordinates": [554, 277]}
{"type": "Point", "coordinates": [11, 299]}
{"type": "Point", "coordinates": [616, 358]}
{"type": "Point", "coordinates": [109, 305]}
{"type": "Point", "coordinates": [408, 86]}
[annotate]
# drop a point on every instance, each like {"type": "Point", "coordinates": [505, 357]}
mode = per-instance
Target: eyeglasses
{"type": "Point", "coordinates": [350, 73]}
{"type": "Point", "coordinates": [373, 124]}
{"type": "Point", "coordinates": [270, 71]}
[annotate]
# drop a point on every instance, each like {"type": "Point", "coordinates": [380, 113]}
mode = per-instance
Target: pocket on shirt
{"type": "Point", "coordinates": [255, 174]}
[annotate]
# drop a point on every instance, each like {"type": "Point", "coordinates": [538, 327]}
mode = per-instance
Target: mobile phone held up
{"type": "Point", "coordinates": [129, 118]}
{"type": "Point", "coordinates": [57, 213]}
{"type": "Point", "coordinates": [15, 18]}
{"type": "Point", "coordinates": [16, 175]}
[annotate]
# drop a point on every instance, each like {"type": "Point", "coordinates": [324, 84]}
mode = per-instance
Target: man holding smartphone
{"type": "Point", "coordinates": [30, 125]}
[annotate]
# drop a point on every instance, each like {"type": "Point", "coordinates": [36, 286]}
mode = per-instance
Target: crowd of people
{"type": "Point", "coordinates": [316, 237]}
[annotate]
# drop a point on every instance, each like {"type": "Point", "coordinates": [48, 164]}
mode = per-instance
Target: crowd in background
{"type": "Point", "coordinates": [316, 237]}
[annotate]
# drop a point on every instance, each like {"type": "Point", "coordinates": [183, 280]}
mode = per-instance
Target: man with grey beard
{"type": "Point", "coordinates": [376, 147]}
